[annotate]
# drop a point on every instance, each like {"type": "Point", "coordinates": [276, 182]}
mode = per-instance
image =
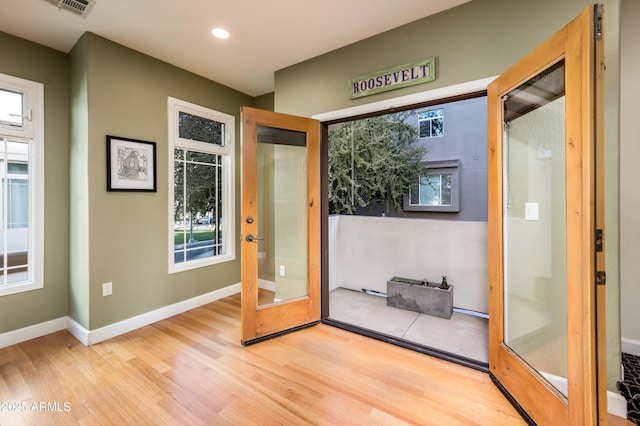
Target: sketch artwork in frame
{"type": "Point", "coordinates": [131, 165]}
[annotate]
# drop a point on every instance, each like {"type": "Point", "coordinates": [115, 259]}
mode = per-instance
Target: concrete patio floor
{"type": "Point", "coordinates": [464, 335]}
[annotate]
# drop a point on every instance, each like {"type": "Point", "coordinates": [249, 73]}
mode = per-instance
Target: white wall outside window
{"type": "Point", "coordinates": [217, 157]}
{"type": "Point", "coordinates": [21, 185]}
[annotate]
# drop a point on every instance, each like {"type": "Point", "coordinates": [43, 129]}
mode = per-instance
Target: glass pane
{"type": "Point", "coordinates": [535, 223]}
{"type": "Point", "coordinates": [18, 168]}
{"type": "Point", "coordinates": [198, 194]}
{"type": "Point", "coordinates": [414, 196]}
{"type": "Point", "coordinates": [434, 190]}
{"type": "Point", "coordinates": [445, 192]}
{"type": "Point", "coordinates": [425, 128]}
{"type": "Point", "coordinates": [282, 215]}
{"type": "Point", "coordinates": [11, 107]}
{"type": "Point", "coordinates": [17, 264]}
{"type": "Point", "coordinates": [430, 190]}
{"type": "Point", "coordinates": [437, 127]}
{"type": "Point", "coordinates": [200, 129]}
{"type": "Point", "coordinates": [430, 114]}
{"type": "Point", "coordinates": [14, 190]}
{"type": "Point", "coordinates": [18, 203]}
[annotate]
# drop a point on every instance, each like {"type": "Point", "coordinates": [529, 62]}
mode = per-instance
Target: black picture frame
{"type": "Point", "coordinates": [131, 165]}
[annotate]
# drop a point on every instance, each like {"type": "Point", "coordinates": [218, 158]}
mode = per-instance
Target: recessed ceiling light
{"type": "Point", "coordinates": [220, 33]}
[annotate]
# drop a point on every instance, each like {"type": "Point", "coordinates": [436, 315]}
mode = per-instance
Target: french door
{"type": "Point", "coordinates": [280, 230]}
{"type": "Point", "coordinates": [544, 227]}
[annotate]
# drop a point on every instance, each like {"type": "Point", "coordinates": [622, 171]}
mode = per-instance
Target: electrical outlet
{"type": "Point", "coordinates": [107, 289]}
{"type": "Point", "coordinates": [283, 271]}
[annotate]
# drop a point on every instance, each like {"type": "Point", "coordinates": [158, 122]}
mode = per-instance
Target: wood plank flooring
{"type": "Point", "coordinates": [191, 370]}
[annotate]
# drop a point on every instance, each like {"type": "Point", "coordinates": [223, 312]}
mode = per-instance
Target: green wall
{"type": "Point", "coordinates": [91, 235]}
{"type": "Point", "coordinates": [21, 58]}
{"type": "Point", "coordinates": [264, 101]}
{"type": "Point", "coordinates": [478, 39]}
{"type": "Point", "coordinates": [122, 237]}
{"type": "Point", "coordinates": [78, 190]}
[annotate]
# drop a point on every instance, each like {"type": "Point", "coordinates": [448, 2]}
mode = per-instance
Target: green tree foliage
{"type": "Point", "coordinates": [375, 159]}
{"type": "Point", "coordinates": [200, 129]}
{"type": "Point", "coordinates": [198, 175]}
{"type": "Point", "coordinates": [203, 175]}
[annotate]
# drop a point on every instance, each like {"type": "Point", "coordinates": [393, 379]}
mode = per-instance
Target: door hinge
{"type": "Point", "coordinates": [599, 241]}
{"type": "Point", "coordinates": [598, 23]}
{"type": "Point", "coordinates": [601, 277]}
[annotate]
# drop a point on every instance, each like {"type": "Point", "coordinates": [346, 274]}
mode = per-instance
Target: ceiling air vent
{"type": "Point", "coordinates": [77, 7]}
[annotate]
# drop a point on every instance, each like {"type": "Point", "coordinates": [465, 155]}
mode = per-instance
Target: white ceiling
{"type": "Point", "coordinates": [266, 35]}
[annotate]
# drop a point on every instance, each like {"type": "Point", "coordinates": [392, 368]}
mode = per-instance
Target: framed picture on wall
{"type": "Point", "coordinates": [131, 165]}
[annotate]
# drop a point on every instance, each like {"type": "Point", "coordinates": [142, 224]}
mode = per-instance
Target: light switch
{"type": "Point", "coordinates": [531, 211]}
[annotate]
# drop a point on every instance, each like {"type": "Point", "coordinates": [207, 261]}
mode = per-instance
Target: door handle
{"type": "Point", "coordinates": [250, 238]}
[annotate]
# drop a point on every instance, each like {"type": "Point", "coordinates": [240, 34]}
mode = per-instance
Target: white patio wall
{"type": "Point", "coordinates": [365, 251]}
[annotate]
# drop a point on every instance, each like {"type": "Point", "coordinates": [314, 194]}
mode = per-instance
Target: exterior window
{"type": "Point", "coordinates": [431, 123]}
{"type": "Point", "coordinates": [196, 128]}
{"type": "Point", "coordinates": [201, 205]}
{"type": "Point", "coordinates": [11, 108]}
{"type": "Point", "coordinates": [21, 185]}
{"type": "Point", "coordinates": [432, 190]}
{"type": "Point", "coordinates": [438, 188]}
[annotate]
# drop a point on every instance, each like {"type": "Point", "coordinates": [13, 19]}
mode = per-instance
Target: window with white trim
{"type": "Point", "coordinates": [438, 188]}
{"type": "Point", "coordinates": [201, 186]}
{"type": "Point", "coordinates": [21, 185]}
{"type": "Point", "coordinates": [431, 123]}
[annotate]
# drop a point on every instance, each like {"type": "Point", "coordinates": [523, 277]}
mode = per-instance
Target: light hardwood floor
{"type": "Point", "coordinates": [191, 370]}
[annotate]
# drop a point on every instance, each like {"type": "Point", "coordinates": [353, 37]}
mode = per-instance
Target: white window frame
{"type": "Point", "coordinates": [227, 151]}
{"type": "Point", "coordinates": [430, 119]}
{"type": "Point", "coordinates": [32, 131]}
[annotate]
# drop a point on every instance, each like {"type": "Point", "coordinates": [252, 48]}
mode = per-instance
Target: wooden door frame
{"type": "Point", "coordinates": [520, 379]}
{"type": "Point", "coordinates": [259, 322]}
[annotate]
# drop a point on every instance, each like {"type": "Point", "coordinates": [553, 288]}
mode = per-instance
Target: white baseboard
{"type": "Point", "coordinates": [266, 285]}
{"type": "Point", "coordinates": [78, 331]}
{"type": "Point", "coordinates": [616, 404]}
{"type": "Point", "coordinates": [631, 346]}
{"type": "Point", "coordinates": [90, 337]}
{"type": "Point", "coordinates": [34, 331]}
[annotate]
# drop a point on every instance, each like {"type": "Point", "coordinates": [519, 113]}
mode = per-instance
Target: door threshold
{"type": "Point", "coordinates": [426, 350]}
{"type": "Point", "coordinates": [279, 333]}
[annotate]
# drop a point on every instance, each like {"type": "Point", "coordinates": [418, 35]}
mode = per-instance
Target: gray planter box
{"type": "Point", "coordinates": [414, 295]}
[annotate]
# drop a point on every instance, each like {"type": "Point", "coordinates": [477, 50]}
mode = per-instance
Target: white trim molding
{"type": "Point", "coordinates": [226, 151]}
{"type": "Point", "coordinates": [403, 101]}
{"type": "Point", "coordinates": [616, 404]}
{"type": "Point", "coordinates": [31, 133]}
{"type": "Point", "coordinates": [90, 337]}
{"type": "Point", "coordinates": [631, 346]}
{"type": "Point", "coordinates": [32, 332]}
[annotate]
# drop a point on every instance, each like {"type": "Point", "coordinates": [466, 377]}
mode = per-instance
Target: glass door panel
{"type": "Point", "coordinates": [534, 210]}
{"type": "Point", "coordinates": [282, 219]}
